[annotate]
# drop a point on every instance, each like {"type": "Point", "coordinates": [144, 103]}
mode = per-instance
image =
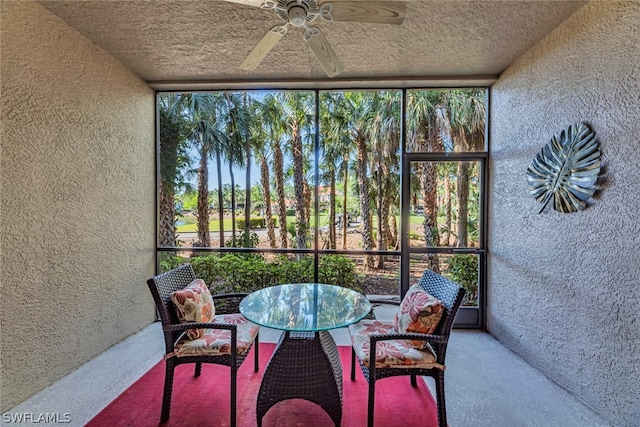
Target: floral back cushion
{"type": "Point", "coordinates": [194, 304]}
{"type": "Point", "coordinates": [419, 312]}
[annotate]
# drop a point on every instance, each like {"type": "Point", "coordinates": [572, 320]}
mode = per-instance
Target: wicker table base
{"type": "Point", "coordinates": [304, 365]}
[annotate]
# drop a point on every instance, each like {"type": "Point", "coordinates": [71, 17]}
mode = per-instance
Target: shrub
{"type": "Point", "coordinates": [169, 261]}
{"type": "Point", "coordinates": [463, 269]}
{"type": "Point", "coordinates": [232, 272]}
{"type": "Point", "coordinates": [239, 241]}
{"type": "Point", "coordinates": [254, 222]}
{"type": "Point", "coordinates": [293, 232]}
{"type": "Point", "coordinates": [338, 270]}
{"type": "Point", "coordinates": [413, 235]}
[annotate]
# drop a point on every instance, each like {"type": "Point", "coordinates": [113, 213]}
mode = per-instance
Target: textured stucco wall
{"type": "Point", "coordinates": [564, 289]}
{"type": "Point", "coordinates": [77, 190]}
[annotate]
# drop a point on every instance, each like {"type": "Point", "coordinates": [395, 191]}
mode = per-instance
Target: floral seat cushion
{"type": "Point", "coordinates": [419, 313]}
{"type": "Point", "coordinates": [193, 303]}
{"type": "Point", "coordinates": [218, 341]}
{"type": "Point", "coordinates": [392, 353]}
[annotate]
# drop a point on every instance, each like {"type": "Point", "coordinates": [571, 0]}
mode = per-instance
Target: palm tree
{"type": "Point", "coordinates": [261, 149]}
{"type": "Point", "coordinates": [448, 170]}
{"type": "Point", "coordinates": [173, 138]}
{"type": "Point", "coordinates": [330, 137]}
{"type": "Point", "coordinates": [428, 125]}
{"type": "Point", "coordinates": [385, 135]}
{"type": "Point", "coordinates": [272, 116]}
{"type": "Point", "coordinates": [308, 147]}
{"type": "Point", "coordinates": [204, 130]}
{"type": "Point", "coordinates": [467, 111]}
{"type": "Point", "coordinates": [297, 108]}
{"type": "Point", "coordinates": [339, 146]}
{"type": "Point", "coordinates": [358, 108]}
{"type": "Point", "coordinates": [248, 142]}
{"type": "Point", "coordinates": [206, 113]}
{"type": "Point", "coordinates": [219, 140]}
{"type": "Point", "coordinates": [237, 124]}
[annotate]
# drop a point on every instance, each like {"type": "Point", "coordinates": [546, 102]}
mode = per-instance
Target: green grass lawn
{"type": "Point", "coordinates": [190, 225]}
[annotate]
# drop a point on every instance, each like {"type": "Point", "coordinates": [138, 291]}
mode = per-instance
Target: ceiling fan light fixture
{"type": "Point", "coordinates": [297, 16]}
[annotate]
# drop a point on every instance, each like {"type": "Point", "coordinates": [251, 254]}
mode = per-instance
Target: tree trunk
{"type": "Point", "coordinates": [282, 207]}
{"type": "Point", "coordinates": [233, 203]}
{"type": "Point", "coordinates": [344, 208]}
{"type": "Point", "coordinates": [203, 199]}
{"type": "Point", "coordinates": [386, 230]}
{"type": "Point", "coordinates": [363, 184]}
{"type": "Point", "coordinates": [170, 141]}
{"type": "Point", "coordinates": [332, 209]}
{"type": "Point", "coordinates": [394, 232]}
{"type": "Point", "coordinates": [220, 199]}
{"type": "Point", "coordinates": [382, 238]}
{"type": "Point", "coordinates": [428, 187]}
{"type": "Point", "coordinates": [434, 134]}
{"type": "Point", "coordinates": [463, 202]}
{"type": "Point", "coordinates": [266, 197]}
{"type": "Point", "coordinates": [430, 224]}
{"type": "Point", "coordinates": [307, 204]}
{"type": "Point", "coordinates": [447, 204]}
{"type": "Point", "coordinates": [386, 218]}
{"type": "Point", "coordinates": [298, 186]}
{"type": "Point", "coordinates": [167, 220]}
{"type": "Point", "coordinates": [463, 191]}
{"type": "Point", "coordinates": [247, 195]}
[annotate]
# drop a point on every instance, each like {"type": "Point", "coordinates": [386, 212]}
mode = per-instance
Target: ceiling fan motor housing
{"type": "Point", "coordinates": [297, 16]}
{"type": "Point", "coordinates": [297, 12]}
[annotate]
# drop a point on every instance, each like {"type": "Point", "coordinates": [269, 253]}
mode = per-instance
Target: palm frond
{"type": "Point", "coordinates": [566, 169]}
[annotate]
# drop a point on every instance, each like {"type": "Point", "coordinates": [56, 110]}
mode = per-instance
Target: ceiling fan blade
{"type": "Point", "coordinates": [263, 47]}
{"type": "Point", "coordinates": [377, 12]}
{"type": "Point", "coordinates": [325, 54]}
{"type": "Point", "coordinates": [254, 3]}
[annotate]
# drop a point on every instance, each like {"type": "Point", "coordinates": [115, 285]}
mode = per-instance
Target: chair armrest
{"type": "Point", "coordinates": [414, 337]}
{"type": "Point", "coordinates": [230, 295]}
{"type": "Point", "coordinates": [379, 302]}
{"type": "Point", "coordinates": [438, 342]}
{"type": "Point", "coordinates": [177, 327]}
{"type": "Point", "coordinates": [172, 340]}
{"type": "Point", "coordinates": [228, 303]}
{"type": "Point", "coordinates": [383, 301]}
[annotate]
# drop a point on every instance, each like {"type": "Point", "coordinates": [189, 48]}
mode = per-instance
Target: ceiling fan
{"type": "Point", "coordinates": [301, 13]}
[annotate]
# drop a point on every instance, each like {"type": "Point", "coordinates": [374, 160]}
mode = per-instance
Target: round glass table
{"type": "Point", "coordinates": [305, 364]}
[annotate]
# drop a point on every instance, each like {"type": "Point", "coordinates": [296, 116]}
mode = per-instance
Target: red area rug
{"type": "Point", "coordinates": [204, 401]}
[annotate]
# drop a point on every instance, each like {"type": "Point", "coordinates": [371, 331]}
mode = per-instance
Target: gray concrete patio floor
{"type": "Point", "coordinates": [486, 383]}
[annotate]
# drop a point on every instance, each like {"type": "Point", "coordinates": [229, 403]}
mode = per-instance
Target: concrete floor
{"type": "Point", "coordinates": [486, 384]}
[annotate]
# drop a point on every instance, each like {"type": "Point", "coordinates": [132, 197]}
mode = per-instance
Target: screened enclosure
{"type": "Point", "coordinates": [363, 189]}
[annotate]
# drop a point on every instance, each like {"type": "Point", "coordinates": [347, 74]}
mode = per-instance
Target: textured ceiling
{"type": "Point", "coordinates": [206, 40]}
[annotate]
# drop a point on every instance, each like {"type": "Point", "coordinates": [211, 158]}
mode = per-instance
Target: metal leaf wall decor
{"type": "Point", "coordinates": [566, 169]}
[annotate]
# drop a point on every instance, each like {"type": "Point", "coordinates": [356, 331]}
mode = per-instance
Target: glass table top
{"type": "Point", "coordinates": [305, 307]}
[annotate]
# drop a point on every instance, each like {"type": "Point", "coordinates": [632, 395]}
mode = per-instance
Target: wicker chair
{"type": "Point", "coordinates": [161, 287]}
{"type": "Point", "coordinates": [451, 294]}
